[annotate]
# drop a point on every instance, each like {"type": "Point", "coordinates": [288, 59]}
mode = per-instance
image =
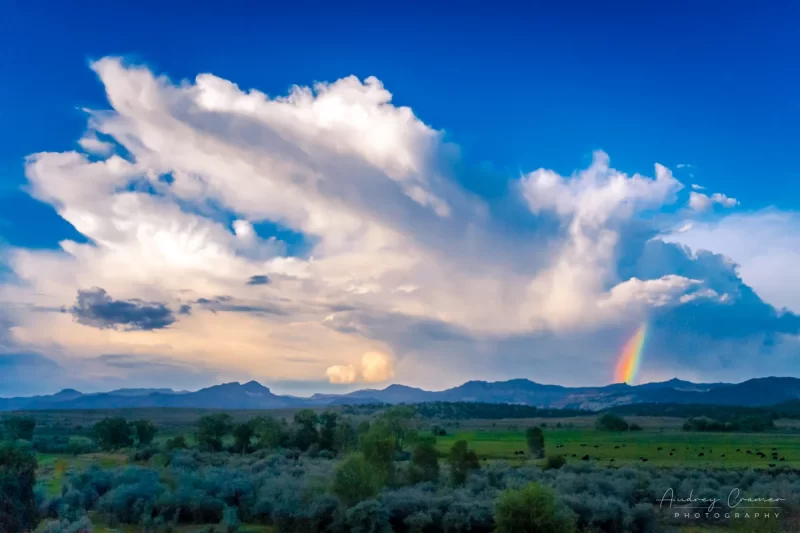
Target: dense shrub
{"type": "Point", "coordinates": [611, 422]}
{"type": "Point", "coordinates": [18, 506]}
{"type": "Point", "coordinates": [554, 462]}
{"type": "Point", "coordinates": [356, 480]}
{"type": "Point", "coordinates": [531, 508]}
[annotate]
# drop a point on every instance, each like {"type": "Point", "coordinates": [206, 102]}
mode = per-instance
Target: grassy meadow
{"type": "Point", "coordinates": [669, 447]}
{"type": "Point", "coordinates": [703, 458]}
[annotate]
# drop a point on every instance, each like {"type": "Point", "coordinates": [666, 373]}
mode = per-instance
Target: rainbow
{"type": "Point", "coordinates": [631, 357]}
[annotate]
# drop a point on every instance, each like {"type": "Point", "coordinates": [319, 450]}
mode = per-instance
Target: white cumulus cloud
{"type": "Point", "coordinates": [393, 242]}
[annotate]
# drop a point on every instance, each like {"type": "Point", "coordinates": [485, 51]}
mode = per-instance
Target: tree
{"type": "Point", "coordinates": [242, 434]}
{"type": "Point", "coordinates": [18, 510]}
{"type": "Point", "coordinates": [355, 480]}
{"type": "Point", "coordinates": [145, 432]}
{"type": "Point", "coordinates": [368, 517]}
{"type": "Point", "coordinates": [345, 439]}
{"type": "Point", "coordinates": [17, 427]}
{"type": "Point", "coordinates": [554, 462]}
{"type": "Point", "coordinates": [329, 421]}
{"type": "Point", "coordinates": [462, 460]}
{"type": "Point", "coordinates": [531, 508]}
{"type": "Point", "coordinates": [305, 429]}
{"type": "Point", "coordinates": [399, 419]}
{"type": "Point", "coordinates": [113, 433]}
{"type": "Point", "coordinates": [269, 432]}
{"type": "Point", "coordinates": [378, 447]}
{"type": "Point", "coordinates": [211, 429]}
{"type": "Point", "coordinates": [535, 439]}
{"type": "Point", "coordinates": [176, 443]}
{"type": "Point", "coordinates": [424, 462]}
{"type": "Point", "coordinates": [611, 422]}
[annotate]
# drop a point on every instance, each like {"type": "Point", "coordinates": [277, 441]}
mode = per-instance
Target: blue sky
{"type": "Point", "coordinates": [711, 94]}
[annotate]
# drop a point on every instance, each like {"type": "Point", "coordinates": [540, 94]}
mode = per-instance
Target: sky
{"type": "Point", "coordinates": [329, 198]}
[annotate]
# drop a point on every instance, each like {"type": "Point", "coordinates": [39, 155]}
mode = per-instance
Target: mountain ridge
{"type": "Point", "coordinates": [254, 395]}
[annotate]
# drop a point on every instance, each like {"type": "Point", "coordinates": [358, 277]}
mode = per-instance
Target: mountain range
{"type": "Point", "coordinates": [253, 395]}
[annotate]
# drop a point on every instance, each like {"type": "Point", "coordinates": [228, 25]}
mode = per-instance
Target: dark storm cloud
{"type": "Point", "coordinates": [95, 308]}
{"type": "Point", "coordinates": [258, 280]}
{"type": "Point", "coordinates": [226, 304]}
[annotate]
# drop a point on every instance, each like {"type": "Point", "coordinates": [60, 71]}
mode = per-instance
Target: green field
{"type": "Point", "coordinates": [629, 447]}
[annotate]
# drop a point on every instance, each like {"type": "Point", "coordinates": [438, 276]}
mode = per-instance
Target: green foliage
{"type": "Point", "coordinates": [531, 509]}
{"type": "Point", "coordinates": [304, 429]}
{"type": "Point", "coordinates": [211, 429]}
{"type": "Point", "coordinates": [176, 443]}
{"type": "Point", "coordinates": [329, 420]}
{"type": "Point", "coordinates": [554, 462]}
{"type": "Point", "coordinates": [345, 438]}
{"type": "Point", "coordinates": [144, 431]}
{"type": "Point", "coordinates": [611, 422]}
{"type": "Point", "coordinates": [242, 435]}
{"type": "Point", "coordinates": [17, 480]}
{"type": "Point", "coordinates": [368, 517]}
{"type": "Point", "coordinates": [462, 461]}
{"type": "Point", "coordinates": [270, 433]}
{"type": "Point", "coordinates": [17, 427]}
{"type": "Point", "coordinates": [469, 410]}
{"type": "Point", "coordinates": [745, 424]}
{"type": "Point", "coordinates": [113, 433]}
{"type": "Point", "coordinates": [355, 480]}
{"type": "Point", "coordinates": [534, 437]}
{"type": "Point", "coordinates": [399, 420]}
{"type": "Point", "coordinates": [378, 446]}
{"type": "Point", "coordinates": [424, 462]}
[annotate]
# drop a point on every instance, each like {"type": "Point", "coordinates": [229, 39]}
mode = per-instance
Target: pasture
{"type": "Point", "coordinates": [659, 447]}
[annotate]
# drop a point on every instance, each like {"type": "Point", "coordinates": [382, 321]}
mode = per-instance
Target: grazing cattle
{"type": "Point", "coordinates": [772, 464]}
{"type": "Point", "coordinates": [738, 449]}
{"type": "Point", "coordinates": [701, 454]}
{"type": "Point", "coordinates": [583, 446]}
{"type": "Point", "coordinates": [585, 458]}
{"type": "Point", "coordinates": [644, 459]}
{"type": "Point", "coordinates": [574, 455]}
{"type": "Point", "coordinates": [774, 448]}
{"type": "Point", "coordinates": [783, 458]}
{"type": "Point", "coordinates": [723, 455]}
{"type": "Point", "coordinates": [611, 461]}
{"type": "Point", "coordinates": [616, 447]}
{"type": "Point", "coordinates": [670, 453]}
{"type": "Point", "coordinates": [659, 449]}
{"type": "Point", "coordinates": [596, 445]}
{"type": "Point", "coordinates": [749, 452]}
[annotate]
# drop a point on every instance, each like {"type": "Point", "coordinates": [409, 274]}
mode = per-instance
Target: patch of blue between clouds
{"type": "Point", "coordinates": [29, 223]}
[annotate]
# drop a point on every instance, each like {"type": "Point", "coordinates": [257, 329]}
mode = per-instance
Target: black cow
{"type": "Point", "coordinates": [701, 454]}
{"type": "Point", "coordinates": [585, 458]}
{"type": "Point", "coordinates": [644, 459]}
{"type": "Point", "coordinates": [772, 464]}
